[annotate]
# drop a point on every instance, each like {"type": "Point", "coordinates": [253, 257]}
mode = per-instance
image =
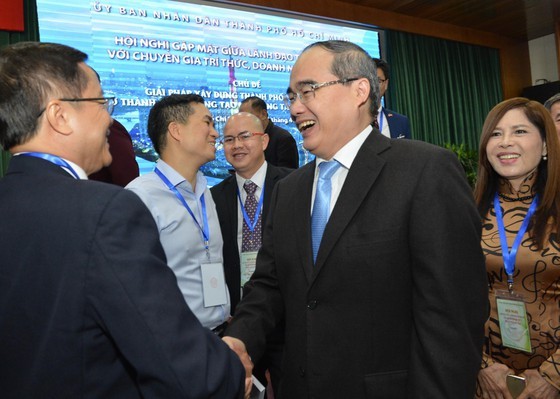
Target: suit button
{"type": "Point", "coordinates": [301, 372]}
{"type": "Point", "coordinates": [311, 305]}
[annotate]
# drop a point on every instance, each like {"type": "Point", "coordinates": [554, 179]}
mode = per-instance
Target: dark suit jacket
{"type": "Point", "coordinates": [399, 125]}
{"type": "Point", "coordinates": [88, 306]}
{"type": "Point", "coordinates": [225, 197]}
{"type": "Point", "coordinates": [282, 148]}
{"type": "Point", "coordinates": [395, 305]}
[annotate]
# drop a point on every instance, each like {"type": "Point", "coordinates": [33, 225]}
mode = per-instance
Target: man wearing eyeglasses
{"type": "Point", "coordinates": [371, 253]}
{"type": "Point", "coordinates": [389, 123]}
{"type": "Point", "coordinates": [88, 305]}
{"type": "Point", "coordinates": [242, 202]}
{"type": "Point", "coordinates": [282, 147]}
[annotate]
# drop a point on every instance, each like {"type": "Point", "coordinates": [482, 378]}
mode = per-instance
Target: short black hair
{"type": "Point", "coordinates": [30, 74]}
{"type": "Point", "coordinates": [172, 108]}
{"type": "Point", "coordinates": [256, 103]}
{"type": "Point", "coordinates": [383, 65]}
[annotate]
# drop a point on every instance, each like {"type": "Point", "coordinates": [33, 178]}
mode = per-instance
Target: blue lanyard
{"type": "Point", "coordinates": [204, 228]}
{"type": "Point", "coordinates": [251, 224]}
{"type": "Point", "coordinates": [509, 255]}
{"type": "Point", "coordinates": [52, 159]}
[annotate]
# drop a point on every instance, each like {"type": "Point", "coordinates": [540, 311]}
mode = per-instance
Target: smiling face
{"type": "Point", "coordinates": [247, 156]}
{"type": "Point", "coordinates": [333, 117]}
{"type": "Point", "coordinates": [90, 123]}
{"type": "Point", "coordinates": [515, 147]}
{"type": "Point", "coordinates": [197, 137]}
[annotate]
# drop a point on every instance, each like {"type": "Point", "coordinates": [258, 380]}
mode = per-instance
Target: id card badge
{"type": "Point", "coordinates": [213, 284]}
{"type": "Point", "coordinates": [248, 263]}
{"type": "Point", "coordinates": [512, 316]}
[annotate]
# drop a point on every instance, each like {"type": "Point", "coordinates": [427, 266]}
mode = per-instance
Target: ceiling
{"type": "Point", "coordinates": [518, 19]}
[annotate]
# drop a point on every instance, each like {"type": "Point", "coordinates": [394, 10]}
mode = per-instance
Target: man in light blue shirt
{"type": "Point", "coordinates": [182, 131]}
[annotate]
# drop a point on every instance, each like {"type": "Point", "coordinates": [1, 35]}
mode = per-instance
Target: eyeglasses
{"type": "Point", "coordinates": [242, 137]}
{"type": "Point", "coordinates": [306, 91]}
{"type": "Point", "coordinates": [107, 102]}
{"type": "Point", "coordinates": [381, 80]}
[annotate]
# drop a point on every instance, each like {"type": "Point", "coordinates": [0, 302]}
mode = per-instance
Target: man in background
{"type": "Point", "coordinates": [123, 168]}
{"type": "Point", "coordinates": [88, 306]}
{"type": "Point", "coordinates": [371, 253]}
{"type": "Point", "coordinates": [389, 123]}
{"type": "Point", "coordinates": [553, 105]}
{"type": "Point", "coordinates": [242, 202]}
{"type": "Point", "coordinates": [282, 148]}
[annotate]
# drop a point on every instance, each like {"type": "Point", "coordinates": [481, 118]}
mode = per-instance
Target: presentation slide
{"type": "Point", "coordinates": [144, 50]}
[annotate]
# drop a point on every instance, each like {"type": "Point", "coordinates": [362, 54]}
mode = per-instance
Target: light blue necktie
{"type": "Point", "coordinates": [321, 205]}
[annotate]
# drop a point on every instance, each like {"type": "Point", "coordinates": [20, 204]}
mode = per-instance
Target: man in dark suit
{"type": "Point", "coordinates": [390, 123]}
{"type": "Point", "coordinates": [244, 146]}
{"type": "Point", "coordinates": [282, 148]}
{"type": "Point", "coordinates": [88, 306]}
{"type": "Point", "coordinates": [390, 301]}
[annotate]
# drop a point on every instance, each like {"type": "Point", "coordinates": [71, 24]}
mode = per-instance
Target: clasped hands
{"type": "Point", "coordinates": [238, 347]}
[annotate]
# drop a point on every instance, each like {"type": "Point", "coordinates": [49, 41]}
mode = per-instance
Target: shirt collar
{"type": "Point", "coordinates": [346, 155]}
{"type": "Point", "coordinates": [257, 178]}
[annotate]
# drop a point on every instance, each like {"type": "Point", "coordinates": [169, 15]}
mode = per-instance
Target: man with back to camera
{"type": "Point", "coordinates": [242, 202]}
{"type": "Point", "coordinates": [388, 299]}
{"type": "Point", "coordinates": [88, 306]}
{"type": "Point", "coordinates": [182, 132]}
{"type": "Point", "coordinates": [389, 123]}
{"type": "Point", "coordinates": [282, 147]}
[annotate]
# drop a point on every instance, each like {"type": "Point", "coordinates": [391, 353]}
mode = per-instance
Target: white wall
{"type": "Point", "coordinates": [544, 64]}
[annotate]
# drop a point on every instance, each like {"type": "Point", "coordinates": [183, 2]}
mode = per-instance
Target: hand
{"type": "Point", "coordinates": [537, 387]}
{"type": "Point", "coordinates": [492, 381]}
{"type": "Point", "coordinates": [238, 347]}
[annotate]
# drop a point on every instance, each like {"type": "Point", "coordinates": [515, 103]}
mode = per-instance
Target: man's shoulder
{"type": "Point", "coordinates": [221, 186]}
{"type": "Point", "coordinates": [392, 114]}
{"type": "Point", "coordinates": [278, 171]}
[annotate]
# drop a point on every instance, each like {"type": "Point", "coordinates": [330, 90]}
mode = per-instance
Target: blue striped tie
{"type": "Point", "coordinates": [321, 205]}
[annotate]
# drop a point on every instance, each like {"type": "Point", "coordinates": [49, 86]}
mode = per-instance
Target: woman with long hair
{"type": "Point", "coordinates": [518, 197]}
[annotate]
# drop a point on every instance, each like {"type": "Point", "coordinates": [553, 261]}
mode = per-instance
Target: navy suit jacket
{"type": "Point", "coordinates": [399, 125]}
{"type": "Point", "coordinates": [88, 306]}
{"type": "Point", "coordinates": [225, 197]}
{"type": "Point", "coordinates": [395, 305]}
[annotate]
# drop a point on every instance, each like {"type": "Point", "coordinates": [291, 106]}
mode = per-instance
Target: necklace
{"type": "Point", "coordinates": [527, 197]}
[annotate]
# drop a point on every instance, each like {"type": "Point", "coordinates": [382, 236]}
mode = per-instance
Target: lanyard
{"type": "Point", "coordinates": [204, 228]}
{"type": "Point", "coordinates": [509, 255]}
{"type": "Point", "coordinates": [251, 224]}
{"type": "Point", "coordinates": [52, 159]}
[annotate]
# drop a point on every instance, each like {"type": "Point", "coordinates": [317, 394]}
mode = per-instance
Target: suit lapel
{"type": "Point", "coordinates": [302, 215]}
{"type": "Point", "coordinates": [362, 175]}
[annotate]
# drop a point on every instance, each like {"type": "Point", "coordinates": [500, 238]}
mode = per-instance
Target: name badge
{"type": "Point", "coordinates": [512, 316]}
{"type": "Point", "coordinates": [248, 263]}
{"type": "Point", "coordinates": [213, 284]}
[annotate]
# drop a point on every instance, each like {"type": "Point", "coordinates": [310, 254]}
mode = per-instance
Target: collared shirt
{"type": "Point", "coordinates": [345, 156]}
{"type": "Point", "coordinates": [181, 238]}
{"type": "Point", "coordinates": [258, 178]}
{"type": "Point", "coordinates": [77, 169]}
{"type": "Point", "coordinates": [383, 124]}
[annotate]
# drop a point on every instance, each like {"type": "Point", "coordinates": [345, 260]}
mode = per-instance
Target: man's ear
{"type": "Point", "coordinates": [362, 90]}
{"type": "Point", "coordinates": [265, 140]}
{"type": "Point", "coordinates": [174, 131]}
{"type": "Point", "coordinates": [59, 117]}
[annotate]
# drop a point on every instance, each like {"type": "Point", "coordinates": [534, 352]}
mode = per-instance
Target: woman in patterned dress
{"type": "Point", "coordinates": [519, 180]}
